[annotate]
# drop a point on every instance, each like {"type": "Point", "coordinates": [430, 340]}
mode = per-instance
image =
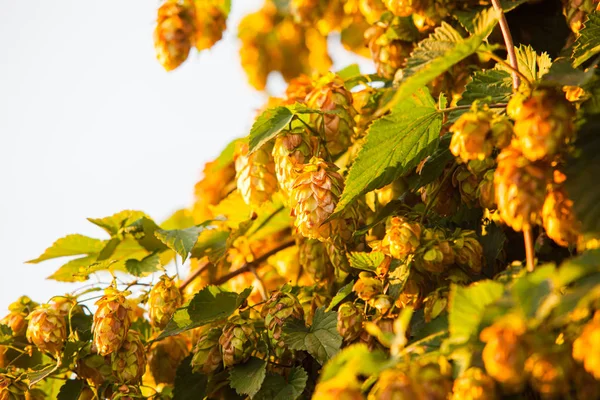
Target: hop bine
{"type": "Point", "coordinates": [174, 32]}
{"type": "Point", "coordinates": [111, 322]}
{"type": "Point", "coordinates": [163, 300]}
{"type": "Point", "coordinates": [47, 329]}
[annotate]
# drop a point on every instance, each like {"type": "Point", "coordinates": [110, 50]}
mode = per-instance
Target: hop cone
{"type": "Point", "coordinates": [313, 259]}
{"type": "Point", "coordinates": [467, 183]}
{"type": "Point", "coordinates": [314, 196]}
{"type": "Point", "coordinates": [432, 383]}
{"type": "Point", "coordinates": [485, 191]}
{"type": "Point", "coordinates": [111, 322]}
{"type": "Point", "coordinates": [330, 94]}
{"type": "Point", "coordinates": [298, 89]}
{"type": "Point", "coordinates": [305, 11]}
{"type": "Point", "coordinates": [586, 348]}
{"type": "Point", "coordinates": [255, 174]}
{"type": "Point", "coordinates": [367, 287]}
{"type": "Point", "coordinates": [472, 136]}
{"type": "Point", "coordinates": [211, 22]}
{"type": "Point", "coordinates": [311, 298]}
{"type": "Point", "coordinates": [520, 188]}
{"type": "Point", "coordinates": [413, 292]}
{"type": "Point", "coordinates": [174, 32]}
{"type": "Point", "coordinates": [404, 8]}
{"type": "Point", "coordinates": [474, 384]}
{"type": "Point", "coordinates": [127, 392]}
{"type": "Point", "coordinates": [163, 300]}
{"type": "Point", "coordinates": [238, 341]}
{"type": "Point", "coordinates": [394, 384]}
{"type": "Point", "coordinates": [94, 368]}
{"type": "Point", "coordinates": [435, 253]}
{"type": "Point", "coordinates": [47, 329]}
{"type": "Point", "coordinates": [468, 251]}
{"type": "Point", "coordinates": [129, 361]}
{"type": "Point", "coordinates": [372, 9]}
{"type": "Point", "coordinates": [560, 222]}
{"type": "Point", "coordinates": [502, 131]}
{"type": "Point", "coordinates": [207, 355]}
{"type": "Point", "coordinates": [10, 389]}
{"type": "Point", "coordinates": [290, 152]}
{"type": "Point", "coordinates": [349, 322]}
{"type": "Point", "coordinates": [328, 391]}
{"type": "Point", "coordinates": [543, 123]}
{"type": "Point", "coordinates": [165, 356]}
{"type": "Point", "coordinates": [17, 317]}
{"type": "Point", "coordinates": [275, 311]}
{"type": "Point", "coordinates": [401, 238]}
{"type": "Point", "coordinates": [504, 356]}
{"type": "Point", "coordinates": [388, 54]}
{"type": "Point", "coordinates": [550, 374]}
{"type": "Point", "coordinates": [66, 305]}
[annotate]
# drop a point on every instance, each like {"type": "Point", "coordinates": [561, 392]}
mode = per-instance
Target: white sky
{"type": "Point", "coordinates": [90, 124]}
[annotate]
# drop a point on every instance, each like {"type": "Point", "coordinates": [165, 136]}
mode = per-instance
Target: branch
{"type": "Point", "coordinates": [508, 41]}
{"type": "Point", "coordinates": [194, 274]}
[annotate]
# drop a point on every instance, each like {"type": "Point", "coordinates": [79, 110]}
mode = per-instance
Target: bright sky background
{"type": "Point", "coordinates": [90, 124]}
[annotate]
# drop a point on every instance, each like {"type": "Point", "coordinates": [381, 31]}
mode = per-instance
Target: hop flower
{"type": "Point", "coordinates": [372, 9]}
{"type": "Point", "coordinates": [207, 355]}
{"type": "Point", "coordinates": [467, 183]}
{"type": "Point", "coordinates": [238, 341]}
{"type": "Point", "coordinates": [163, 300]}
{"type": "Point", "coordinates": [17, 318]}
{"type": "Point", "coordinates": [502, 131]}
{"type": "Point", "coordinates": [290, 152]}
{"type": "Point", "coordinates": [394, 384]}
{"type": "Point", "coordinates": [474, 384]}
{"type": "Point", "coordinates": [298, 89]}
{"type": "Point", "coordinates": [313, 259]}
{"type": "Point", "coordinates": [211, 22]}
{"type": "Point", "coordinates": [165, 356]}
{"type": "Point", "coordinates": [111, 322]}
{"type": "Point", "coordinates": [404, 8]}
{"type": "Point", "coordinates": [560, 222]}
{"type": "Point", "coordinates": [255, 174]}
{"type": "Point", "coordinates": [504, 355]}
{"type": "Point", "coordinates": [11, 389]}
{"type": "Point", "coordinates": [330, 94]}
{"type": "Point", "coordinates": [543, 123]}
{"type": "Point", "coordinates": [314, 196]}
{"type": "Point", "coordinates": [485, 190]}
{"type": "Point", "coordinates": [586, 348]}
{"type": "Point", "coordinates": [275, 311]}
{"type": "Point", "coordinates": [413, 292]}
{"type": "Point", "coordinates": [520, 188]}
{"type": "Point", "coordinates": [174, 32]}
{"type": "Point", "coordinates": [66, 305]}
{"type": "Point", "coordinates": [367, 287]}
{"type": "Point", "coordinates": [388, 54]}
{"type": "Point", "coordinates": [129, 361]}
{"type": "Point", "coordinates": [468, 251]}
{"type": "Point", "coordinates": [435, 253]}
{"type": "Point", "coordinates": [432, 383]}
{"type": "Point", "coordinates": [328, 390]}
{"type": "Point", "coordinates": [305, 11]}
{"type": "Point", "coordinates": [472, 136]}
{"type": "Point", "coordinates": [94, 368]}
{"type": "Point", "coordinates": [47, 329]}
{"type": "Point", "coordinates": [337, 252]}
{"type": "Point", "coordinates": [401, 237]}
{"type": "Point", "coordinates": [550, 373]}
{"type": "Point", "coordinates": [349, 322]}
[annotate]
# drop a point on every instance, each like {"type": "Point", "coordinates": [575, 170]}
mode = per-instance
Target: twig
{"type": "Point", "coordinates": [529, 251]}
{"type": "Point", "coordinates": [468, 107]}
{"type": "Point", "coordinates": [510, 47]}
{"type": "Point", "coordinates": [513, 69]}
{"type": "Point", "coordinates": [246, 267]}
{"type": "Point", "coordinates": [194, 274]}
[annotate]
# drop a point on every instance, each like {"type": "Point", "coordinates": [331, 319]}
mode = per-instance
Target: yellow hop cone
{"type": "Point", "coordinates": [367, 287]}
{"type": "Point", "coordinates": [520, 188]}
{"type": "Point", "coordinates": [472, 136]}
{"type": "Point", "coordinates": [298, 88]}
{"type": "Point", "coordinates": [129, 361]}
{"type": "Point", "coordinates": [435, 253]}
{"type": "Point", "coordinates": [165, 356]}
{"type": "Point", "coordinates": [413, 292]}
{"type": "Point", "coordinates": [468, 251]}
{"type": "Point", "coordinates": [474, 384]}
{"type": "Point", "coordinates": [404, 8]}
{"type": "Point", "coordinates": [281, 306]}
{"type": "Point", "coordinates": [485, 191]}
{"type": "Point", "coordinates": [550, 374]}
{"type": "Point", "coordinates": [560, 222]}
{"type": "Point", "coordinates": [211, 22]}
{"type": "Point", "coordinates": [163, 300]}
{"type": "Point", "coordinates": [333, 390]}
{"type": "Point", "coordinates": [66, 305]}
{"type": "Point", "coordinates": [292, 149]}
{"type": "Point", "coordinates": [305, 11]}
{"type": "Point", "coordinates": [586, 348]}
{"type": "Point", "coordinates": [111, 322]}
{"type": "Point", "coordinates": [174, 32]}
{"type": "Point", "coordinates": [467, 183]}
{"type": "Point", "coordinates": [255, 174]}
{"type": "Point", "coordinates": [389, 55]}
{"type": "Point", "coordinates": [16, 319]}
{"type": "Point", "coordinates": [314, 196]}
{"type": "Point", "coordinates": [544, 123]}
{"type": "Point", "coordinates": [330, 94]}
{"type": "Point", "coordinates": [504, 355]}
{"type": "Point", "coordinates": [372, 9]}
{"type": "Point", "coordinates": [47, 329]}
{"type": "Point", "coordinates": [11, 389]}
{"type": "Point", "coordinates": [394, 384]}
{"type": "Point", "coordinates": [350, 321]}
{"type": "Point", "coordinates": [401, 238]}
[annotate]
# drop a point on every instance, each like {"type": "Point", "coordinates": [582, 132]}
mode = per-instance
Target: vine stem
{"type": "Point", "coordinates": [510, 47]}
{"type": "Point", "coordinates": [529, 251]}
{"type": "Point", "coordinates": [194, 274]}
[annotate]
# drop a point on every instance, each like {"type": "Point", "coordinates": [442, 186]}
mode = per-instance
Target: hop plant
{"type": "Point", "coordinates": [560, 222]}
{"type": "Point", "coordinates": [402, 237]}
{"type": "Point", "coordinates": [314, 196]}
{"type": "Point", "coordinates": [280, 307]}
{"type": "Point", "coordinates": [129, 361]}
{"type": "Point", "coordinates": [165, 356]}
{"type": "Point", "coordinates": [520, 188]}
{"type": "Point", "coordinates": [349, 322]}
{"type": "Point", "coordinates": [586, 348]}
{"type": "Point", "coordinates": [238, 341]}
{"type": "Point", "coordinates": [207, 355]}
{"type": "Point", "coordinates": [174, 32]}
{"type": "Point", "coordinates": [111, 322]}
{"type": "Point", "coordinates": [163, 300]}
{"type": "Point", "coordinates": [474, 384]}
{"type": "Point", "coordinates": [550, 373]}
{"type": "Point", "coordinates": [543, 123]}
{"type": "Point", "coordinates": [11, 389]}
{"type": "Point", "coordinates": [210, 24]}
{"type": "Point", "coordinates": [47, 329]}
{"type": "Point", "coordinates": [291, 151]}
{"type": "Point", "coordinates": [330, 95]}
{"type": "Point", "coordinates": [255, 174]}
{"type": "Point", "coordinates": [468, 251]}
{"type": "Point", "coordinates": [16, 319]}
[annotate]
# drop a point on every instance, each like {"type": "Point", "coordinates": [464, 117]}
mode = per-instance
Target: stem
{"type": "Point", "coordinates": [514, 69]}
{"type": "Point", "coordinates": [529, 251]}
{"type": "Point", "coordinates": [510, 47]}
{"type": "Point", "coordinates": [247, 267]}
{"type": "Point", "coordinates": [194, 274]}
{"type": "Point", "coordinates": [468, 107]}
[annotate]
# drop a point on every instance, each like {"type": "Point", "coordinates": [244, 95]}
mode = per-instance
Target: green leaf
{"type": "Point", "coordinates": [71, 271]}
{"type": "Point", "coordinates": [577, 268]}
{"type": "Point", "coordinates": [275, 386]}
{"type": "Point", "coordinates": [356, 359]}
{"type": "Point", "coordinates": [70, 390]}
{"type": "Point", "coordinates": [248, 377]}
{"type": "Point", "coordinates": [532, 65]}
{"type": "Point", "coordinates": [180, 219]}
{"type": "Point", "coordinates": [208, 305]}
{"type": "Point", "coordinates": [467, 17]}
{"type": "Point", "coordinates": [189, 385]}
{"type": "Point", "coordinates": [6, 334]}
{"type": "Point", "coordinates": [340, 295]}
{"type": "Point", "coordinates": [268, 125]}
{"type": "Point", "coordinates": [143, 230]}
{"type": "Point", "coordinates": [440, 51]}
{"type": "Point", "coordinates": [466, 307]}
{"type": "Point", "coordinates": [394, 145]}
{"type": "Point", "coordinates": [109, 249]}
{"type": "Point", "coordinates": [182, 241]}
{"type": "Point", "coordinates": [71, 245]}
{"type": "Point", "coordinates": [321, 340]}
{"type": "Point", "coordinates": [366, 261]}
{"type": "Point", "coordinates": [351, 71]}
{"type": "Point", "coordinates": [564, 74]}
{"type": "Point", "coordinates": [435, 164]}
{"type": "Point", "coordinates": [115, 222]}
{"type": "Point", "coordinates": [212, 244]}
{"type": "Point", "coordinates": [145, 266]}
{"type": "Point", "coordinates": [530, 290]}
{"type": "Point", "coordinates": [36, 376]}
{"type": "Point", "coordinates": [587, 44]}
{"type": "Point", "coordinates": [491, 86]}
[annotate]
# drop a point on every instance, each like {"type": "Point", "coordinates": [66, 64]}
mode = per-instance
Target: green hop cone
{"type": "Point", "coordinates": [163, 300]}
{"type": "Point", "coordinates": [47, 329]}
{"type": "Point", "coordinates": [474, 384]}
{"type": "Point", "coordinates": [349, 322]}
{"type": "Point", "coordinates": [468, 251]}
{"type": "Point", "coordinates": [129, 361]}
{"type": "Point", "coordinates": [111, 322]}
{"type": "Point", "coordinates": [165, 356]}
{"type": "Point", "coordinates": [207, 355]}
{"type": "Point", "coordinates": [238, 341]}
{"type": "Point", "coordinates": [402, 237]}
{"type": "Point", "coordinates": [94, 368]}
{"type": "Point", "coordinates": [280, 307]}
{"type": "Point", "coordinates": [472, 136]}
